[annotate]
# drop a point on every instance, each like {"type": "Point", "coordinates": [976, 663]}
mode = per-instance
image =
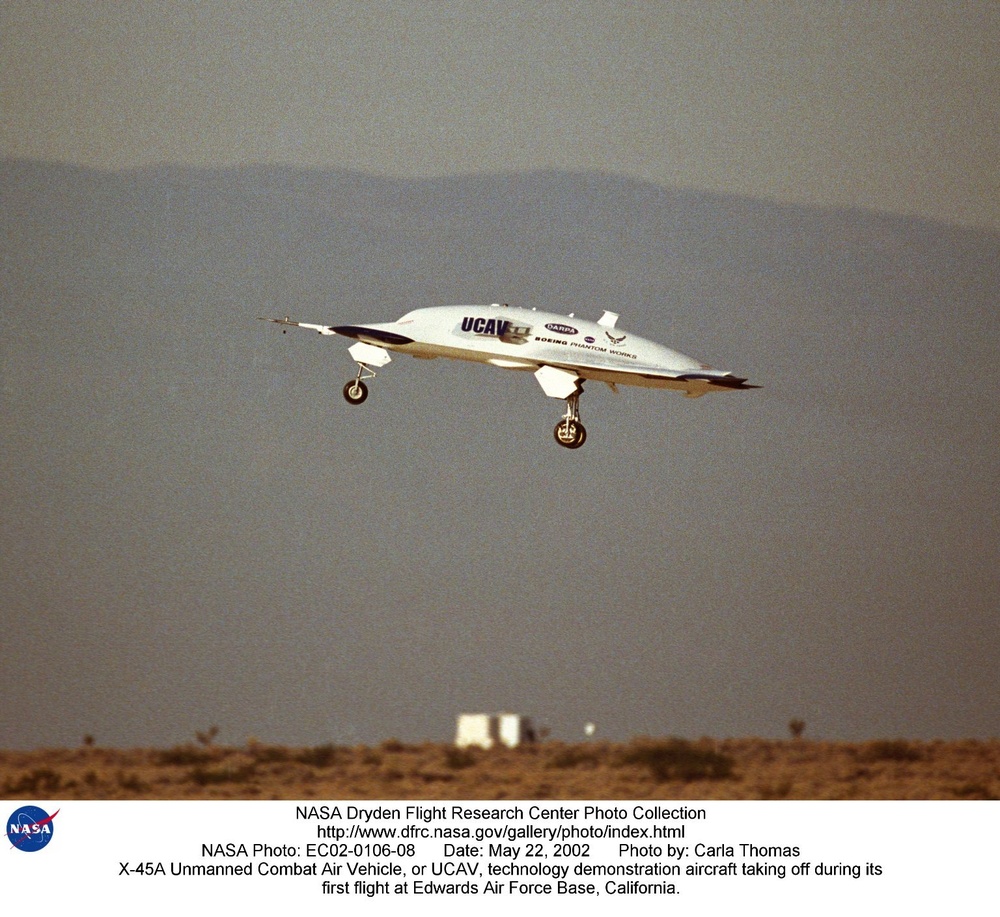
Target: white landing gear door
{"type": "Point", "coordinates": [368, 354]}
{"type": "Point", "coordinates": [558, 383]}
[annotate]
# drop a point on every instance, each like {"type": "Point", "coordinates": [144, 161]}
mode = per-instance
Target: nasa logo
{"type": "Point", "coordinates": [30, 828]}
{"type": "Point", "coordinates": [561, 329]}
{"type": "Point", "coordinates": [589, 340]}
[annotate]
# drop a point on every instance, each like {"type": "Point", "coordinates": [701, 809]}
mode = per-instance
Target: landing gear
{"type": "Point", "coordinates": [366, 356]}
{"type": "Point", "coordinates": [569, 432]}
{"type": "Point", "coordinates": [356, 391]}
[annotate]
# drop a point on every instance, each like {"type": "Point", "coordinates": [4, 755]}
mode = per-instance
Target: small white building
{"type": "Point", "coordinates": [485, 730]}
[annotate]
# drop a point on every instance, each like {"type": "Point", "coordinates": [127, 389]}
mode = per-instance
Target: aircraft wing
{"type": "Point", "coordinates": [322, 329]}
{"type": "Point", "coordinates": [712, 377]}
{"type": "Point", "coordinates": [692, 382]}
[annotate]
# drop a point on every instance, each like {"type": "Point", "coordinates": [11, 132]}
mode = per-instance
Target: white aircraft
{"type": "Point", "coordinates": [562, 351]}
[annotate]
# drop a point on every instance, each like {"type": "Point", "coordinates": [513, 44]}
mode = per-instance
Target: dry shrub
{"type": "Point", "coordinates": [131, 783]}
{"type": "Point", "coordinates": [888, 750]}
{"type": "Point", "coordinates": [270, 754]}
{"type": "Point", "coordinates": [320, 756]}
{"type": "Point", "coordinates": [573, 756]}
{"type": "Point", "coordinates": [208, 736]}
{"type": "Point", "coordinates": [777, 790]}
{"type": "Point", "coordinates": [973, 790]}
{"type": "Point", "coordinates": [184, 756]}
{"type": "Point", "coordinates": [459, 758]}
{"type": "Point", "coordinates": [208, 776]}
{"type": "Point", "coordinates": [41, 781]}
{"type": "Point", "coordinates": [677, 759]}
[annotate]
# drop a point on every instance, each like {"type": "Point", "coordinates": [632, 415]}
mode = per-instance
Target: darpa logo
{"type": "Point", "coordinates": [495, 327]}
{"type": "Point", "coordinates": [561, 329]}
{"type": "Point", "coordinates": [30, 828]}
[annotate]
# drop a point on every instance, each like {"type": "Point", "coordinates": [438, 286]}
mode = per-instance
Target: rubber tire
{"type": "Point", "coordinates": [579, 434]}
{"type": "Point", "coordinates": [355, 392]}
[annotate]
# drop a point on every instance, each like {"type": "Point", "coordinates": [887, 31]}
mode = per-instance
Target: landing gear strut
{"type": "Point", "coordinates": [569, 432]}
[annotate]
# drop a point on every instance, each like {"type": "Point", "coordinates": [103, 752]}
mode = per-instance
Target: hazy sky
{"type": "Point", "coordinates": [196, 529]}
{"type": "Point", "coordinates": [890, 106]}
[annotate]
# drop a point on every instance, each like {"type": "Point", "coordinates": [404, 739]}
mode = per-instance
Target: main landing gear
{"type": "Point", "coordinates": [569, 432]}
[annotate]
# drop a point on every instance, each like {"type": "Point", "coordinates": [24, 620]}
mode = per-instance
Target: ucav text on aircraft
{"type": "Point", "coordinates": [562, 351]}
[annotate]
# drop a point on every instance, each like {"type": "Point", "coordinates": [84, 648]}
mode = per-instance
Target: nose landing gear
{"type": "Point", "coordinates": [366, 356]}
{"type": "Point", "coordinates": [356, 391]}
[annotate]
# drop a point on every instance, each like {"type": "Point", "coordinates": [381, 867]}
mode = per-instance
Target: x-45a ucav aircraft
{"type": "Point", "coordinates": [562, 351]}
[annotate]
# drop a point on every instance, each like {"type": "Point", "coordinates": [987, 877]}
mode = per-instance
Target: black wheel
{"type": "Point", "coordinates": [355, 391]}
{"type": "Point", "coordinates": [570, 433]}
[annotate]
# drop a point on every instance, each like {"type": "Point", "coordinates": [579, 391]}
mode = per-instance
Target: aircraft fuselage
{"type": "Point", "coordinates": [516, 338]}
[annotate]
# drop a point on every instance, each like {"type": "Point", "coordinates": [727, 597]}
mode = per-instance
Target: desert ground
{"type": "Point", "coordinates": [645, 768]}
